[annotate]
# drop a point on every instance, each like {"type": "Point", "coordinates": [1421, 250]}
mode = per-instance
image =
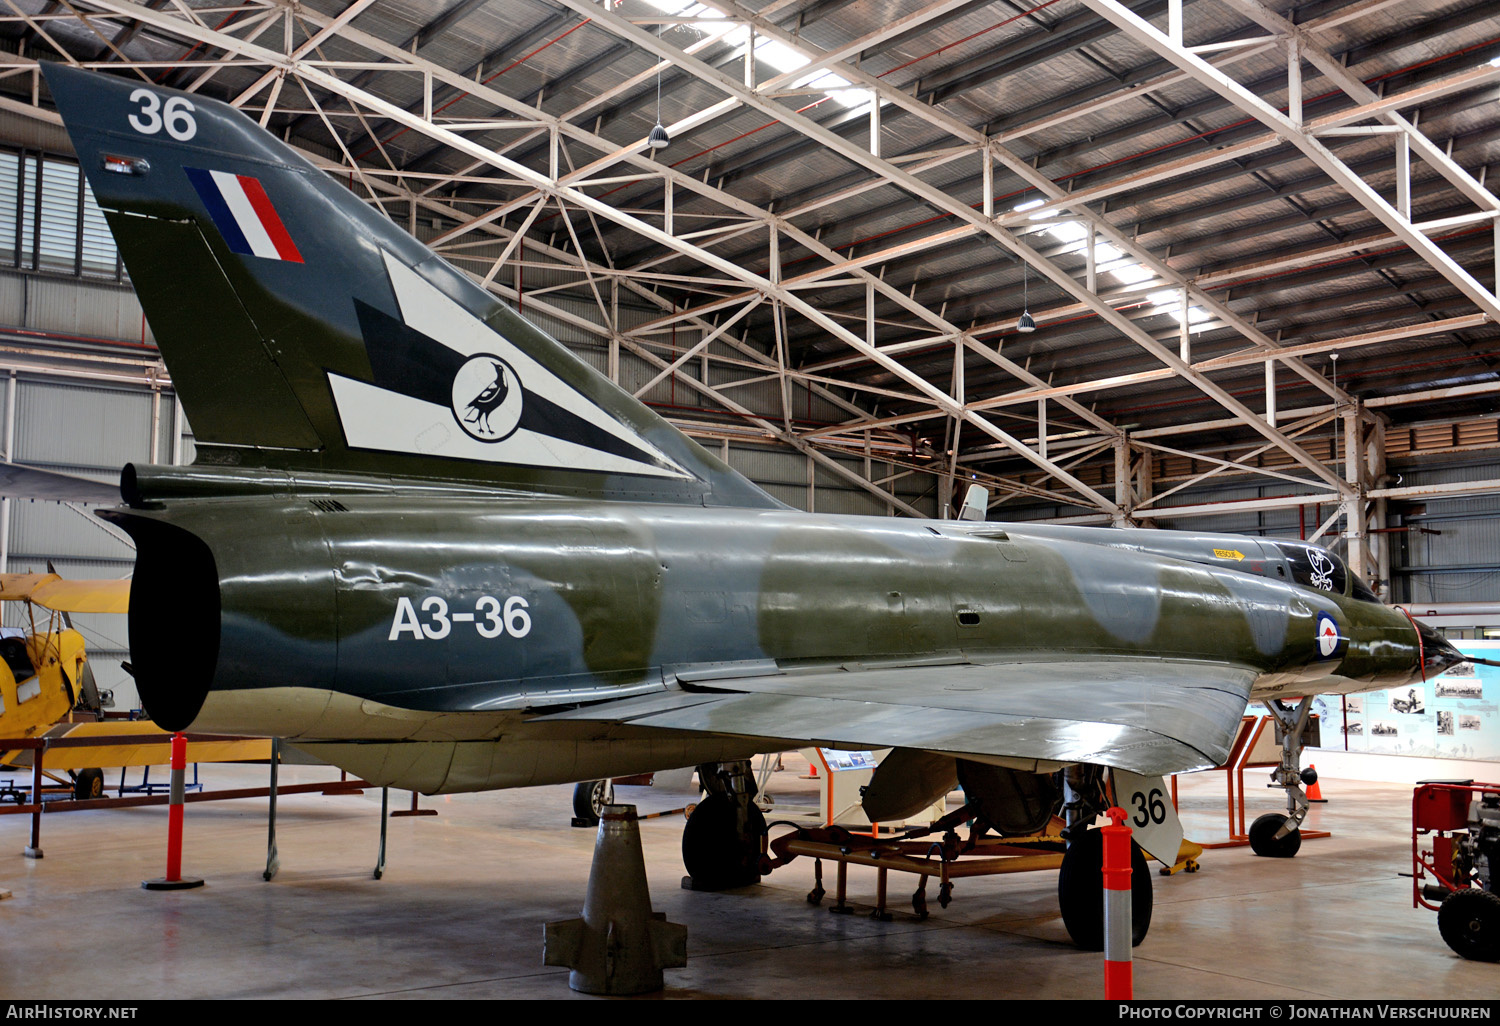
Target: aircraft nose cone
{"type": "Point", "coordinates": [1438, 654]}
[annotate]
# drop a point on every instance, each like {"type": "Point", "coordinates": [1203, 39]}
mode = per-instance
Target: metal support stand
{"type": "Point", "coordinates": [879, 912]}
{"type": "Point", "coordinates": [841, 907]}
{"type": "Point", "coordinates": [34, 849]}
{"type": "Point", "coordinates": [273, 859]}
{"type": "Point", "coordinates": [414, 811]}
{"type": "Point", "coordinates": [385, 816]}
{"type": "Point", "coordinates": [619, 946]}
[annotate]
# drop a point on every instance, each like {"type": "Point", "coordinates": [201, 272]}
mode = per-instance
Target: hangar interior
{"type": "Point", "coordinates": [1258, 236]}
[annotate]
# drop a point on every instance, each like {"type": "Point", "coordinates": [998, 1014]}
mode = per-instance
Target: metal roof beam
{"type": "Point", "coordinates": [945, 202]}
{"type": "Point", "coordinates": [1400, 225]}
{"type": "Point", "coordinates": [545, 185]}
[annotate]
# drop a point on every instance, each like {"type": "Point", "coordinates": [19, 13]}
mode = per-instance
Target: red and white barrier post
{"type": "Point", "coordinates": [174, 881]}
{"type": "Point", "coordinates": [1118, 984]}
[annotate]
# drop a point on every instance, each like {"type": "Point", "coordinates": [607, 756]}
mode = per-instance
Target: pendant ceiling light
{"type": "Point", "coordinates": [658, 138]}
{"type": "Point", "coordinates": [1025, 323]}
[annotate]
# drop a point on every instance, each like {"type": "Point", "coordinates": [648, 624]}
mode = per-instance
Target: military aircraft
{"type": "Point", "coordinates": [430, 545]}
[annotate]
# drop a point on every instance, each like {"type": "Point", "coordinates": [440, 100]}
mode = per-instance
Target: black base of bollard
{"type": "Point", "coordinates": [163, 884]}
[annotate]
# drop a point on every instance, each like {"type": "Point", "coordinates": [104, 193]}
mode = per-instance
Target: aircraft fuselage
{"type": "Point", "coordinates": [459, 606]}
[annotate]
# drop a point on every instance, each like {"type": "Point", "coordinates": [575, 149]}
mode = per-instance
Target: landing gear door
{"type": "Point", "coordinates": [1150, 814]}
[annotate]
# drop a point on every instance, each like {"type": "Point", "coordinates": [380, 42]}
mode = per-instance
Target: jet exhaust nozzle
{"type": "Point", "coordinates": [173, 619]}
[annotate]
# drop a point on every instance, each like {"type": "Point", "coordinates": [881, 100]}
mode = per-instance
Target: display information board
{"type": "Point", "coordinates": [1454, 716]}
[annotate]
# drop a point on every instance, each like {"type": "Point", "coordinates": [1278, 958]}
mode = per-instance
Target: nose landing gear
{"type": "Point", "coordinates": [1274, 835]}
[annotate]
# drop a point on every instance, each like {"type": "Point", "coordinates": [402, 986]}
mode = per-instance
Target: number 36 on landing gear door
{"type": "Point", "coordinates": [1150, 815]}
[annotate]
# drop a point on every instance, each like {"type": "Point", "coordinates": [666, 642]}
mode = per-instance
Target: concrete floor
{"type": "Point", "coordinates": [459, 913]}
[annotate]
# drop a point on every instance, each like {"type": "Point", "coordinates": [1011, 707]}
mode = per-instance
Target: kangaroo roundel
{"type": "Point", "coordinates": [1329, 638]}
{"type": "Point", "coordinates": [487, 398]}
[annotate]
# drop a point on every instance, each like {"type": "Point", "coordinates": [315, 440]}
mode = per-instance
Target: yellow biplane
{"type": "Point", "coordinates": [47, 690]}
{"type": "Point", "coordinates": [44, 672]}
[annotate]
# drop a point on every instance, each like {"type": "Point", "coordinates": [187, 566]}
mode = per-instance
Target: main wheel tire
{"type": "Point", "coordinates": [1080, 892]}
{"type": "Point", "coordinates": [1469, 921]}
{"type": "Point", "coordinates": [89, 783]}
{"type": "Point", "coordinates": [1263, 837]}
{"type": "Point", "coordinates": [720, 847]}
{"type": "Point", "coordinates": [590, 797]}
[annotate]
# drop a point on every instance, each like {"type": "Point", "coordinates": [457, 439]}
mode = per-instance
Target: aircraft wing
{"type": "Point", "coordinates": [22, 482]}
{"type": "Point", "coordinates": [1150, 717]}
{"type": "Point", "coordinates": [134, 743]}
{"type": "Point", "coordinates": [67, 596]}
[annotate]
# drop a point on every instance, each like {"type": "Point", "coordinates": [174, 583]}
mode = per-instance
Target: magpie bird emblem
{"type": "Point", "coordinates": [487, 398]}
{"type": "Point", "coordinates": [488, 401]}
{"type": "Point", "coordinates": [435, 366]}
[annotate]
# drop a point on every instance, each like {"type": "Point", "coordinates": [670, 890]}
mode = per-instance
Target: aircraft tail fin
{"type": "Point", "coordinates": [303, 330]}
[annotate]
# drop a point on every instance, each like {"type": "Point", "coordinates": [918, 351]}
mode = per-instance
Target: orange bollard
{"type": "Point", "coordinates": [174, 880]}
{"type": "Point", "coordinates": [1118, 983]}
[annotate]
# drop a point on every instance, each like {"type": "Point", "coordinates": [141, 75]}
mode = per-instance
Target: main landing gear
{"type": "Point", "coordinates": [1080, 879]}
{"type": "Point", "coordinates": [589, 799]}
{"type": "Point", "coordinates": [1274, 835]}
{"type": "Point", "coordinates": [723, 844]}
{"type": "Point", "coordinates": [1080, 892]}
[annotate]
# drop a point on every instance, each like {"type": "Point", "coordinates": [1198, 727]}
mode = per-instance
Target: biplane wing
{"type": "Point", "coordinates": [51, 591]}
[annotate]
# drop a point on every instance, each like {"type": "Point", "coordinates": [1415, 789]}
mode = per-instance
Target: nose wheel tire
{"type": "Point", "coordinates": [1263, 839]}
{"type": "Point", "coordinates": [1080, 892]}
{"type": "Point", "coordinates": [1469, 921]}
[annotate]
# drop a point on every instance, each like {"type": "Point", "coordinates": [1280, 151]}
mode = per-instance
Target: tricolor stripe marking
{"type": "Point", "coordinates": [243, 213]}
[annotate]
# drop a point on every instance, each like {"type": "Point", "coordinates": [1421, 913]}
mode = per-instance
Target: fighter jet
{"type": "Point", "coordinates": [577, 590]}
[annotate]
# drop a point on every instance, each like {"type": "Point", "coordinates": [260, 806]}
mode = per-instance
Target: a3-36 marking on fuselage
{"type": "Point", "coordinates": [491, 618]}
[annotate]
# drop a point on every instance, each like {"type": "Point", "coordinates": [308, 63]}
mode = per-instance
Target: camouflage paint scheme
{"type": "Point", "coordinates": [445, 589]}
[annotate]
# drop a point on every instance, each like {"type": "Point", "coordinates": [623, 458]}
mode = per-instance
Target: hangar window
{"type": "Point", "coordinates": [49, 220]}
{"type": "Point", "coordinates": [58, 200]}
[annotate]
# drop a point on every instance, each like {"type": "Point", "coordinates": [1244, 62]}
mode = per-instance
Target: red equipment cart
{"type": "Point", "coordinates": [1455, 860]}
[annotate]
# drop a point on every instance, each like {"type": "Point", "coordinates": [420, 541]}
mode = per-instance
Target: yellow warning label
{"type": "Point", "coordinates": [1229, 554]}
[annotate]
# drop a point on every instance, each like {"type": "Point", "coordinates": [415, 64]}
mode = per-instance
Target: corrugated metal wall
{"type": "Point", "coordinates": [87, 430]}
{"type": "Point", "coordinates": [1450, 551]}
{"type": "Point", "coordinates": [72, 306]}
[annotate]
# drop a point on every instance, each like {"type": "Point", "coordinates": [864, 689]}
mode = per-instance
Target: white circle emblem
{"type": "Point", "coordinates": [1328, 636]}
{"type": "Point", "coordinates": [487, 398]}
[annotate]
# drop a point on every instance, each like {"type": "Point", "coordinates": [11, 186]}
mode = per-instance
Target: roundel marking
{"type": "Point", "coordinates": [487, 398]}
{"type": "Point", "coordinates": [1328, 636]}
